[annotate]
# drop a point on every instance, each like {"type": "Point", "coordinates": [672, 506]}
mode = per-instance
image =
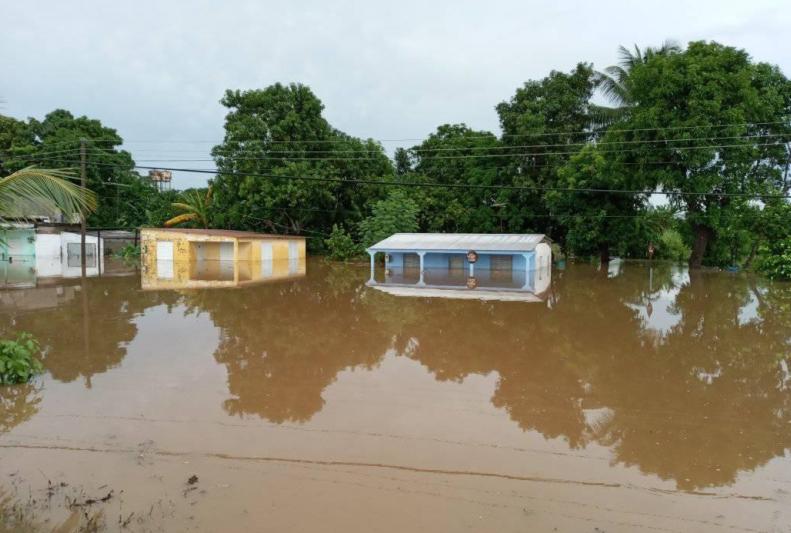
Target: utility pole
{"type": "Point", "coordinates": [84, 183]}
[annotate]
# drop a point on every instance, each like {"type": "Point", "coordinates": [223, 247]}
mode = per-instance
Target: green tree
{"type": "Point", "coordinates": [284, 168]}
{"type": "Point", "coordinates": [54, 142]}
{"type": "Point", "coordinates": [395, 214]}
{"type": "Point", "coordinates": [403, 163]}
{"type": "Point", "coordinates": [17, 142]}
{"type": "Point", "coordinates": [450, 157]}
{"type": "Point", "coordinates": [544, 124]}
{"type": "Point", "coordinates": [596, 221]}
{"type": "Point", "coordinates": [703, 125]}
{"type": "Point", "coordinates": [615, 84]}
{"type": "Point", "coordinates": [341, 245]}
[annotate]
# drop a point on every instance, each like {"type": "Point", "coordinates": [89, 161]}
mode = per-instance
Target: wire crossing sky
{"type": "Point", "coordinates": [389, 71]}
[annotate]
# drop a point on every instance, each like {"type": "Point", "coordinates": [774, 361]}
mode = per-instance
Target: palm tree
{"type": "Point", "coordinates": [195, 206]}
{"type": "Point", "coordinates": [45, 189]}
{"type": "Point", "coordinates": [614, 82]}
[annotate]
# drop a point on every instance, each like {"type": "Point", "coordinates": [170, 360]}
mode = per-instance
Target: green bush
{"type": "Point", "coordinates": [17, 361]}
{"type": "Point", "coordinates": [775, 260]}
{"type": "Point", "coordinates": [395, 214]}
{"type": "Point", "coordinates": [341, 246]}
{"type": "Point", "coordinates": [129, 252]}
{"type": "Point", "coordinates": [672, 246]}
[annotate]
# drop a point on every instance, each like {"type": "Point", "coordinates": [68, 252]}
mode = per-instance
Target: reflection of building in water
{"type": "Point", "coordinates": [28, 254]}
{"type": "Point", "coordinates": [217, 274]}
{"type": "Point", "coordinates": [469, 266]}
{"type": "Point", "coordinates": [182, 258]}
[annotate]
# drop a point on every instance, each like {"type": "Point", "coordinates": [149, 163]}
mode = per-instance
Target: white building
{"type": "Point", "coordinates": [51, 252]}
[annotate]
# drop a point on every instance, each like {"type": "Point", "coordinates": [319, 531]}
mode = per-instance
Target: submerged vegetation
{"type": "Point", "coordinates": [704, 125]}
{"type": "Point", "coordinates": [129, 252]}
{"type": "Point", "coordinates": [18, 363]}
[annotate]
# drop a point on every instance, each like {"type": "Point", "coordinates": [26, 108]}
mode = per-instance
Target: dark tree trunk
{"type": "Point", "coordinates": [753, 249]}
{"type": "Point", "coordinates": [703, 235]}
{"type": "Point", "coordinates": [604, 253]}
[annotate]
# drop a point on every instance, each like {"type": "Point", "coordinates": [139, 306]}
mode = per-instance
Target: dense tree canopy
{"type": "Point", "coordinates": [544, 124]}
{"type": "Point", "coordinates": [125, 199]}
{"type": "Point", "coordinates": [704, 125]}
{"type": "Point", "coordinates": [283, 167]}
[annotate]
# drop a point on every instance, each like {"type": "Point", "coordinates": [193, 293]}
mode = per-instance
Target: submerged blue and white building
{"type": "Point", "coordinates": [471, 265]}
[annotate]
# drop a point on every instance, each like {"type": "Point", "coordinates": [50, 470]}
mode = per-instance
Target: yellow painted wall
{"type": "Point", "coordinates": [185, 275]}
{"type": "Point", "coordinates": [279, 249]}
{"type": "Point", "coordinates": [182, 250]}
{"type": "Point", "coordinates": [248, 250]}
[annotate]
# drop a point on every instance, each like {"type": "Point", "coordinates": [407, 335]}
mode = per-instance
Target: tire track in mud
{"type": "Point", "coordinates": [513, 495]}
{"type": "Point", "coordinates": [402, 468]}
{"type": "Point", "coordinates": [335, 431]}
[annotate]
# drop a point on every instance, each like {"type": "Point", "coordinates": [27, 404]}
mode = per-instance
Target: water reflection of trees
{"type": "Point", "coordinates": [87, 327]}
{"type": "Point", "coordinates": [698, 402]}
{"type": "Point", "coordinates": [282, 344]}
{"type": "Point", "coordinates": [18, 403]}
{"type": "Point", "coordinates": [698, 405]}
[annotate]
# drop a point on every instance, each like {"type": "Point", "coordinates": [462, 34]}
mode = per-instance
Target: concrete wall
{"type": "Point", "coordinates": [48, 245]}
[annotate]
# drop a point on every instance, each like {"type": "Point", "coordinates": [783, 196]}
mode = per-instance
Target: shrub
{"type": "Point", "coordinates": [396, 213]}
{"type": "Point", "coordinates": [129, 252]}
{"type": "Point", "coordinates": [775, 259]}
{"type": "Point", "coordinates": [672, 246]}
{"type": "Point", "coordinates": [341, 246]}
{"type": "Point", "coordinates": [17, 361]}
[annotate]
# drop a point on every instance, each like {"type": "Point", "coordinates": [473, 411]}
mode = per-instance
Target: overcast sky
{"type": "Point", "coordinates": [155, 70]}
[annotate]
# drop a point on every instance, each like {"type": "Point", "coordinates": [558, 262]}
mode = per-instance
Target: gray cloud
{"type": "Point", "coordinates": [156, 70]}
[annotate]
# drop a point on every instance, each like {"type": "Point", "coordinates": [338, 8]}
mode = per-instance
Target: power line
{"type": "Point", "coordinates": [401, 183]}
{"type": "Point", "coordinates": [469, 156]}
{"type": "Point", "coordinates": [64, 153]}
{"type": "Point", "coordinates": [492, 135]}
{"type": "Point", "coordinates": [640, 163]}
{"type": "Point", "coordinates": [27, 156]}
{"type": "Point", "coordinates": [491, 148]}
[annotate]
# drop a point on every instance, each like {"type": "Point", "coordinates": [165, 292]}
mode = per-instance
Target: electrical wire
{"type": "Point", "coordinates": [401, 183]}
{"type": "Point", "coordinates": [491, 135]}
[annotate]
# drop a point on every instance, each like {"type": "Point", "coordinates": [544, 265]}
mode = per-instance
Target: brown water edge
{"type": "Point", "coordinates": [638, 399]}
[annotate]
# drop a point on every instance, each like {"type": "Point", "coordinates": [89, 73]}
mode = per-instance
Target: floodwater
{"type": "Point", "coordinates": [624, 400]}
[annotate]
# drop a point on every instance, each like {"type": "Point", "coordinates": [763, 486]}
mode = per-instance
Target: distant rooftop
{"type": "Point", "coordinates": [461, 242]}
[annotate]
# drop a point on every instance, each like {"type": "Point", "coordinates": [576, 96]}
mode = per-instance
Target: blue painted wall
{"type": "Point", "coordinates": [441, 261]}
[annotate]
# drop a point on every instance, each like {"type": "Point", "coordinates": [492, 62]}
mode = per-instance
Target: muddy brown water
{"type": "Point", "coordinates": [643, 399]}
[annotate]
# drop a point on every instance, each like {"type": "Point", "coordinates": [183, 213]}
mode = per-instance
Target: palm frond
{"type": "Point", "coordinates": [611, 88]}
{"type": "Point", "coordinates": [184, 207]}
{"type": "Point", "coordinates": [617, 73]}
{"type": "Point", "coordinates": [195, 206]}
{"type": "Point", "coordinates": [604, 117]}
{"type": "Point", "coordinates": [46, 189]}
{"type": "Point", "coordinates": [669, 46]}
{"type": "Point", "coordinates": [186, 217]}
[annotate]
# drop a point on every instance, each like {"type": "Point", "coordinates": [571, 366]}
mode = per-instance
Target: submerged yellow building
{"type": "Point", "coordinates": [176, 258]}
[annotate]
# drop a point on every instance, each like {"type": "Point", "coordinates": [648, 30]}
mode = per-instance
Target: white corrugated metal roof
{"type": "Point", "coordinates": [461, 242]}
